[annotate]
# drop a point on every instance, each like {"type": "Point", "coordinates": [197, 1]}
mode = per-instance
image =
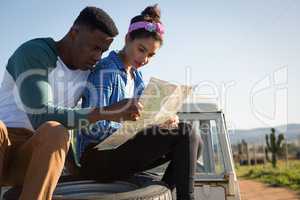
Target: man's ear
{"type": "Point", "coordinates": [74, 32]}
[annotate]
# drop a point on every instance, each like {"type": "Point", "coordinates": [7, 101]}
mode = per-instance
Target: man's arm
{"type": "Point", "coordinates": [30, 66]}
{"type": "Point", "coordinates": [103, 85]}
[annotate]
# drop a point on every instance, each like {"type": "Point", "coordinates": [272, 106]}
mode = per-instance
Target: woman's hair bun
{"type": "Point", "coordinates": [152, 12]}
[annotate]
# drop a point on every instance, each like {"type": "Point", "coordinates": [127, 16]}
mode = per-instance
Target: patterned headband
{"type": "Point", "coordinates": [151, 27]}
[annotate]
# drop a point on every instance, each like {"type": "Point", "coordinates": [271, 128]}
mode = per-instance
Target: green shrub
{"type": "Point", "coordinates": [281, 176]}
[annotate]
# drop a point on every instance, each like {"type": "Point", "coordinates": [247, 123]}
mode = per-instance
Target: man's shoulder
{"type": "Point", "coordinates": [43, 48]}
{"type": "Point", "coordinates": [38, 53]}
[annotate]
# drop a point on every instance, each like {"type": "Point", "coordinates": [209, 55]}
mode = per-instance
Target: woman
{"type": "Point", "coordinates": [117, 77]}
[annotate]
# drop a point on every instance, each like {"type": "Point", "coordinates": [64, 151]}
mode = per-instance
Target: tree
{"type": "Point", "coordinates": [242, 150]}
{"type": "Point", "coordinates": [267, 153]}
{"type": "Point", "coordinates": [274, 145]}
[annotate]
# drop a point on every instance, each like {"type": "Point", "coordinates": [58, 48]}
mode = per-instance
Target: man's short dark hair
{"type": "Point", "coordinates": [96, 18]}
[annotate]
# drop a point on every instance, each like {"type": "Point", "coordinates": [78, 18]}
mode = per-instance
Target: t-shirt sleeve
{"type": "Point", "coordinates": [30, 66]}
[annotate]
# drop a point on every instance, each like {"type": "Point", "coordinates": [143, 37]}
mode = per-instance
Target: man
{"type": "Point", "coordinates": [42, 84]}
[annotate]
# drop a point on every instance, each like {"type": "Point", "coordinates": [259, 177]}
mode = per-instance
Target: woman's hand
{"type": "Point", "coordinates": [170, 123]}
{"type": "Point", "coordinates": [126, 109]}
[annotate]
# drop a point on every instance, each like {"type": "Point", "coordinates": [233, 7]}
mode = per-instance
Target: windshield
{"type": "Point", "coordinates": [211, 160]}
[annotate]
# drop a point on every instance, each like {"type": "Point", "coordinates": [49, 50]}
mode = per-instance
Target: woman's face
{"type": "Point", "coordinates": [139, 51]}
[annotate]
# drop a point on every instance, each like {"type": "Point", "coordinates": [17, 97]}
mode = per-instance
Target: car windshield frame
{"type": "Point", "coordinates": [223, 139]}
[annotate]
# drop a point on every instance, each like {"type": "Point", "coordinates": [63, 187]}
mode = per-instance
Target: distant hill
{"type": "Point", "coordinates": [257, 135]}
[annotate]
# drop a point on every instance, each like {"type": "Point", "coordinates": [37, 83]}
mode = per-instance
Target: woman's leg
{"type": "Point", "coordinates": [181, 170]}
{"type": "Point", "coordinates": [138, 154]}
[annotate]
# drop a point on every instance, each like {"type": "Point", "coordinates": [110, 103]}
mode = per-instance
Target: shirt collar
{"type": "Point", "coordinates": [114, 56]}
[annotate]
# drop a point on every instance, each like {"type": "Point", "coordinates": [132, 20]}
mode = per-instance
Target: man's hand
{"type": "Point", "coordinates": [170, 123]}
{"type": "Point", "coordinates": [124, 110]}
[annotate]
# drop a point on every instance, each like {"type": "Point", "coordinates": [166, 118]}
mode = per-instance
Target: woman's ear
{"type": "Point", "coordinates": [127, 39]}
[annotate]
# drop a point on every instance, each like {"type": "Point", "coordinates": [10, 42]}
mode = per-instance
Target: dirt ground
{"type": "Point", "coordinates": [252, 190]}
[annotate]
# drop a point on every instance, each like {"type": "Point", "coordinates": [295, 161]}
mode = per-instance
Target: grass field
{"type": "Point", "coordinates": [288, 176]}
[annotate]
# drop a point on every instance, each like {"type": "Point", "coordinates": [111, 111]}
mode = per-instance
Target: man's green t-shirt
{"type": "Point", "coordinates": [38, 87]}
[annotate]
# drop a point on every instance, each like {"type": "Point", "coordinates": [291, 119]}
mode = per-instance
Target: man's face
{"type": "Point", "coordinates": [88, 47]}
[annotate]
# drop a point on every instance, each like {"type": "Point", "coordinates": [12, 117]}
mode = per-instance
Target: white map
{"type": "Point", "coordinates": [161, 100]}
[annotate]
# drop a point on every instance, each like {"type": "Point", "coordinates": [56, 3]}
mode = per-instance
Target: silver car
{"type": "Point", "coordinates": [215, 174]}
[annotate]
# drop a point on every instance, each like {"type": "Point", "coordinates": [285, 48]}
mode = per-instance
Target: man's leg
{"type": "Point", "coordinates": [38, 163]}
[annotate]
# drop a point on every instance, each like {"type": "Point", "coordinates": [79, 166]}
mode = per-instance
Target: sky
{"type": "Point", "coordinates": [242, 55]}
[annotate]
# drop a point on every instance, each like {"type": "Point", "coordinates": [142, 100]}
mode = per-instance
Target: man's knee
{"type": "Point", "coordinates": [53, 133]}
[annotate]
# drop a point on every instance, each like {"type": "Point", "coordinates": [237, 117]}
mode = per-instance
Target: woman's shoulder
{"type": "Point", "coordinates": [106, 69]}
{"type": "Point", "coordinates": [109, 62]}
